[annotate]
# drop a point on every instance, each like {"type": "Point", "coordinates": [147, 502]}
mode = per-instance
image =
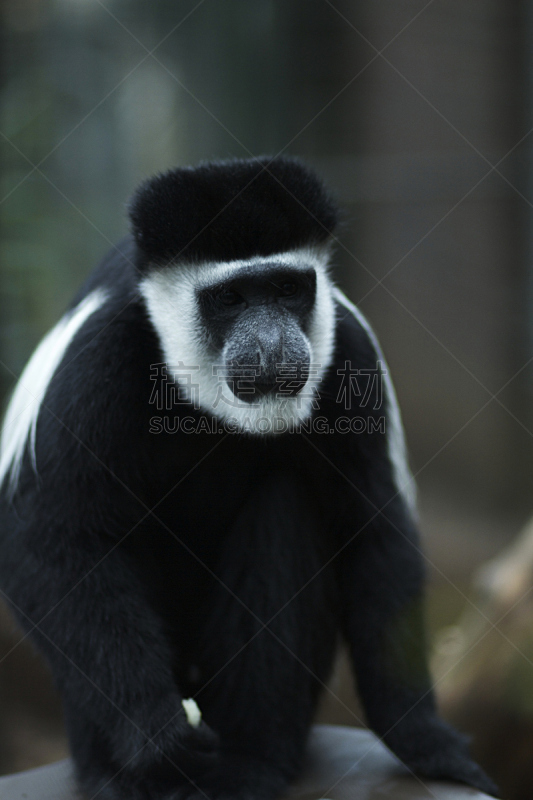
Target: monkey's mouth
{"type": "Point", "coordinates": [280, 388]}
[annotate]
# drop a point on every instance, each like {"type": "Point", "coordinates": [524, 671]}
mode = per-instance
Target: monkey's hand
{"type": "Point", "coordinates": [441, 753]}
{"type": "Point", "coordinates": [163, 740]}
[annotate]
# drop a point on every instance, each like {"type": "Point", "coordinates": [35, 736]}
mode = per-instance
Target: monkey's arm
{"type": "Point", "coordinates": [381, 575]}
{"type": "Point", "coordinates": [87, 612]}
{"type": "Point", "coordinates": [65, 566]}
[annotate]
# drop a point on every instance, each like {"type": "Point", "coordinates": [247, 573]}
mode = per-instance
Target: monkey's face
{"type": "Point", "coordinates": [258, 323]}
{"type": "Point", "coordinates": [256, 335]}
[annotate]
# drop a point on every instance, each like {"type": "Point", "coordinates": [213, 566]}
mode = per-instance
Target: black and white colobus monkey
{"type": "Point", "coordinates": [155, 562]}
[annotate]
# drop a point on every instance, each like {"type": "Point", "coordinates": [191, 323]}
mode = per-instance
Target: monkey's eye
{"type": "Point", "coordinates": [230, 298]}
{"type": "Point", "coordinates": [288, 288]}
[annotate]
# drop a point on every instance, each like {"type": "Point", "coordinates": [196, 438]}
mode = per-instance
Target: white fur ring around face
{"type": "Point", "coordinates": [194, 715]}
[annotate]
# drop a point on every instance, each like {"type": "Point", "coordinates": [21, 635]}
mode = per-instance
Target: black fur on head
{"type": "Point", "coordinates": [227, 210]}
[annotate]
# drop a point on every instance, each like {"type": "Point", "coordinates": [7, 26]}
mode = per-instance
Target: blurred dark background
{"type": "Point", "coordinates": [418, 115]}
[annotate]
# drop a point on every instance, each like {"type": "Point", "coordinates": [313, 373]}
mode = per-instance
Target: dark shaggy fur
{"type": "Point", "coordinates": [149, 568]}
{"type": "Point", "coordinates": [231, 209]}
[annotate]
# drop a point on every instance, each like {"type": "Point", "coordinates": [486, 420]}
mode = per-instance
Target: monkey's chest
{"type": "Point", "coordinates": [218, 502]}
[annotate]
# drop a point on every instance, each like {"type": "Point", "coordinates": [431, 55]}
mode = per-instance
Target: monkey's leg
{"type": "Point", "coordinates": [268, 645]}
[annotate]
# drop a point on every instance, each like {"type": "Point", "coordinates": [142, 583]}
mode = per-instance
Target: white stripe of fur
{"type": "Point", "coordinates": [20, 421]}
{"type": "Point", "coordinates": [170, 296]}
{"type": "Point", "coordinates": [403, 478]}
